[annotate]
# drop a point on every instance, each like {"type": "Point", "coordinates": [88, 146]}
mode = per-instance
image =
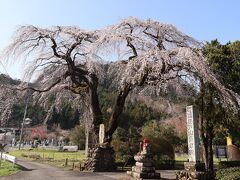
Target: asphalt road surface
{"type": "Point", "coordinates": [37, 171]}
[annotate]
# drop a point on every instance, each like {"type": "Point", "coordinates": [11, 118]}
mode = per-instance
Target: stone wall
{"type": "Point", "coordinates": [101, 159]}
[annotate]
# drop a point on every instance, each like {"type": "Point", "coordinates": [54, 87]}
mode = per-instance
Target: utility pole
{"type": "Point", "coordinates": [24, 117]}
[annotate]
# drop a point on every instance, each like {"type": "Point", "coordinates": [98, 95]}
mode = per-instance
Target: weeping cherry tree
{"type": "Point", "coordinates": [144, 55]}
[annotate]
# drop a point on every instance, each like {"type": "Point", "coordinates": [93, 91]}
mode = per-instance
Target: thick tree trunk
{"type": "Point", "coordinates": [102, 157]}
{"type": "Point", "coordinates": [208, 153]}
{"type": "Point", "coordinates": [118, 108]}
{"type": "Point", "coordinates": [96, 111]}
{"type": "Point", "coordinates": [94, 103]}
{"type": "Point", "coordinates": [210, 170]}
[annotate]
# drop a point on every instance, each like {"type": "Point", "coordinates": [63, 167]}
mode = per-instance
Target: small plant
{"type": "Point", "coordinates": [24, 155]}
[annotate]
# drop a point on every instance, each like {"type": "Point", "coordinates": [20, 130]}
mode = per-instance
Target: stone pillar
{"type": "Point", "coordinates": [193, 169]}
{"type": "Point", "coordinates": [87, 139]}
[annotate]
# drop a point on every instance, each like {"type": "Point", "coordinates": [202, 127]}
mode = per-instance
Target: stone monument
{"type": "Point", "coordinates": [193, 169]}
{"type": "Point", "coordinates": [101, 133]}
{"type": "Point", "coordinates": [193, 136]}
{"type": "Point", "coordinates": [144, 167]}
{"type": "Point", "coordinates": [101, 158]}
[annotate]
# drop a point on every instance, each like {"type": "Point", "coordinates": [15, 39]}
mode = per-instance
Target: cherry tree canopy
{"type": "Point", "coordinates": [71, 63]}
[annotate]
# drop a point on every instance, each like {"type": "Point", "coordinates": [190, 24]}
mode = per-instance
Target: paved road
{"type": "Point", "coordinates": [37, 171]}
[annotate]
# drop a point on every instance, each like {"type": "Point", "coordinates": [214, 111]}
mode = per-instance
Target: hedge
{"type": "Point", "coordinates": [232, 173]}
{"type": "Point", "coordinates": [228, 164]}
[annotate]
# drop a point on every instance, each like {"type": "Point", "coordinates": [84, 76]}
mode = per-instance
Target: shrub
{"type": "Point", "coordinates": [232, 173]}
{"type": "Point", "coordinates": [163, 153]}
{"type": "Point", "coordinates": [126, 143]}
{"type": "Point", "coordinates": [161, 138]}
{"type": "Point", "coordinates": [228, 164]}
{"type": "Point", "coordinates": [161, 149]}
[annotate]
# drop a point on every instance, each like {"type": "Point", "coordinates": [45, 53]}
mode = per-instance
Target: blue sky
{"type": "Point", "coordinates": [203, 19]}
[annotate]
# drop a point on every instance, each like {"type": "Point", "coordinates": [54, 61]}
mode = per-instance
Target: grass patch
{"type": "Point", "coordinates": [52, 157]}
{"type": "Point", "coordinates": [8, 169]}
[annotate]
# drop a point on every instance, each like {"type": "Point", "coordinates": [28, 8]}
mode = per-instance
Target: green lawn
{"type": "Point", "coordinates": [181, 158]}
{"type": "Point", "coordinates": [8, 169]}
{"type": "Point", "coordinates": [185, 158]}
{"type": "Point", "coordinates": [52, 157]}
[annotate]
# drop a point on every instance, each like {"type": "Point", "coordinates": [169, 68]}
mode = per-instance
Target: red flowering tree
{"type": "Point", "coordinates": [39, 133]}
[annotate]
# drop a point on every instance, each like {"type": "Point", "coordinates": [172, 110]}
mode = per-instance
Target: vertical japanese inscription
{"type": "Point", "coordinates": [192, 132]}
{"type": "Point", "coordinates": [101, 133]}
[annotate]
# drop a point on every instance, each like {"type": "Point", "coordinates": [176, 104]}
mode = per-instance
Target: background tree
{"type": "Point", "coordinates": [224, 62]}
{"type": "Point", "coordinates": [212, 115]}
{"type": "Point", "coordinates": [149, 54]}
{"type": "Point", "coordinates": [77, 136]}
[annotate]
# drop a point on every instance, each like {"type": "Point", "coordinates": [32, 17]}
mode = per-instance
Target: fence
{"type": "Point", "coordinates": [10, 158]}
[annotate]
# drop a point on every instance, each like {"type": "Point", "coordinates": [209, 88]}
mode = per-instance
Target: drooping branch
{"type": "Point", "coordinates": [39, 90]}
